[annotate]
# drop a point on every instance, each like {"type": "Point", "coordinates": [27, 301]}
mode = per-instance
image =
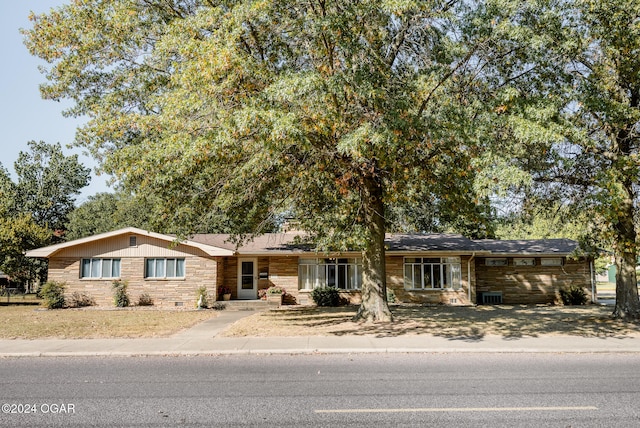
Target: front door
{"type": "Point", "coordinates": [247, 279]}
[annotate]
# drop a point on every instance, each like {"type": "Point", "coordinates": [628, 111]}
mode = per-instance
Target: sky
{"type": "Point", "coordinates": [24, 115]}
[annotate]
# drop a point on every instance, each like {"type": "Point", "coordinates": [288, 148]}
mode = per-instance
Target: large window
{"type": "Point", "coordinates": [164, 268]}
{"type": "Point", "coordinates": [100, 268]}
{"type": "Point", "coordinates": [422, 273]}
{"type": "Point", "coordinates": [343, 273]}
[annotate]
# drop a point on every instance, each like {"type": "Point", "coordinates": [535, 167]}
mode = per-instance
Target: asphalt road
{"type": "Point", "coordinates": [372, 390]}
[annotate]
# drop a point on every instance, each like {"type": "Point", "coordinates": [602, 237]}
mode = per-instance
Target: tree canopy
{"type": "Point", "coordinates": [236, 111]}
{"type": "Point", "coordinates": [37, 205]}
{"type": "Point", "coordinates": [356, 117]}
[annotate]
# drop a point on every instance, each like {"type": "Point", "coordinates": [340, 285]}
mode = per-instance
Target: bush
{"type": "Point", "coordinates": [81, 300]}
{"type": "Point", "coordinates": [120, 296]}
{"type": "Point", "coordinates": [574, 295]}
{"type": "Point", "coordinates": [202, 298]}
{"type": "Point", "coordinates": [53, 294]}
{"type": "Point", "coordinates": [326, 296]}
{"type": "Point", "coordinates": [145, 300]}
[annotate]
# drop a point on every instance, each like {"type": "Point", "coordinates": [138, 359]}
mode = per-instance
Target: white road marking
{"type": "Point", "coordinates": [461, 409]}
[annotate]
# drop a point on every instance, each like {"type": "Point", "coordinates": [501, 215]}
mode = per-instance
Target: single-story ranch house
{"type": "Point", "coordinates": [422, 268]}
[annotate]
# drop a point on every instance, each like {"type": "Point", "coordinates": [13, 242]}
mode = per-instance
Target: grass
{"type": "Point", "coordinates": [27, 322]}
{"type": "Point", "coordinates": [464, 323]}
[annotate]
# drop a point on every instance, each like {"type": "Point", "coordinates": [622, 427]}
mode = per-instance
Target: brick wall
{"type": "Point", "coordinates": [532, 284]}
{"type": "Point", "coordinates": [200, 271]}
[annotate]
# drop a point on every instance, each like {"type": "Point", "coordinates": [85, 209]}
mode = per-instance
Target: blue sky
{"type": "Point", "coordinates": [24, 115]}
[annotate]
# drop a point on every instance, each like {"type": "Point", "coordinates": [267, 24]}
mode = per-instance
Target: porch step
{"type": "Point", "coordinates": [244, 305]}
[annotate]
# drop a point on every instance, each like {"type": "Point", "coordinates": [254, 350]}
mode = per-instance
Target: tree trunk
{"type": "Point", "coordinates": [627, 303]}
{"type": "Point", "coordinates": [374, 306]}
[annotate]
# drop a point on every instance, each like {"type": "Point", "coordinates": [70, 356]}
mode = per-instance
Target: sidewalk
{"type": "Point", "coordinates": [203, 339]}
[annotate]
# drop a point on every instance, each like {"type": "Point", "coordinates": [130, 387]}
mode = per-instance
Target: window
{"type": "Point", "coordinates": [100, 268]}
{"type": "Point", "coordinates": [524, 262]}
{"type": "Point", "coordinates": [133, 242]}
{"type": "Point", "coordinates": [496, 262]}
{"type": "Point", "coordinates": [432, 273]}
{"type": "Point", "coordinates": [556, 261]}
{"type": "Point", "coordinates": [342, 273]}
{"type": "Point", "coordinates": [164, 268]}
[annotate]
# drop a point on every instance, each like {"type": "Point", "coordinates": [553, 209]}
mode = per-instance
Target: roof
{"type": "Point", "coordinates": [439, 242]}
{"type": "Point", "coordinates": [46, 252]}
{"type": "Point", "coordinates": [536, 247]}
{"type": "Point", "coordinates": [289, 244]}
{"type": "Point", "coordinates": [262, 244]}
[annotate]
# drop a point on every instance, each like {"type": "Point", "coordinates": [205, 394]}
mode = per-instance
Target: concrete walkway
{"type": "Point", "coordinates": [203, 339]}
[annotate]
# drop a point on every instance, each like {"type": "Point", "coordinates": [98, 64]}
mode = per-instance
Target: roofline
{"type": "Point", "coordinates": [534, 254]}
{"type": "Point", "coordinates": [46, 252]}
{"type": "Point", "coordinates": [437, 252]}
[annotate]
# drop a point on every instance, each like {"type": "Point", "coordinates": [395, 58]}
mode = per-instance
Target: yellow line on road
{"type": "Point", "coordinates": [461, 409]}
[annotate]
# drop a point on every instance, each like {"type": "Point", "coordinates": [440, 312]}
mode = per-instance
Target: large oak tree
{"type": "Point", "coordinates": [233, 112]}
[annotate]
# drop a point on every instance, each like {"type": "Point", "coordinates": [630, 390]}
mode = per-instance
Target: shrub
{"type": "Point", "coordinates": [145, 300]}
{"type": "Point", "coordinates": [218, 306]}
{"type": "Point", "coordinates": [120, 296]}
{"type": "Point", "coordinates": [202, 298]}
{"type": "Point", "coordinates": [574, 295]}
{"type": "Point", "coordinates": [80, 300]}
{"type": "Point", "coordinates": [326, 296]}
{"type": "Point", "coordinates": [53, 294]}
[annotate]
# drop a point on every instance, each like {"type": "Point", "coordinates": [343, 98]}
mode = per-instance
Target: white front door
{"type": "Point", "coordinates": [247, 279]}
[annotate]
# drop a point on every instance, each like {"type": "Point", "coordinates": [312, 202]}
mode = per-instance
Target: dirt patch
{"type": "Point", "coordinates": [464, 323]}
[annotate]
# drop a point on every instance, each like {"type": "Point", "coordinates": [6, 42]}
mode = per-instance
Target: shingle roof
{"type": "Point", "coordinates": [285, 243]}
{"type": "Point", "coordinates": [529, 247]}
{"type": "Point", "coordinates": [430, 242]}
{"type": "Point", "coordinates": [267, 243]}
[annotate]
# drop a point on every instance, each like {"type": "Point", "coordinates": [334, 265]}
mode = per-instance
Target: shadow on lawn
{"type": "Point", "coordinates": [468, 323]}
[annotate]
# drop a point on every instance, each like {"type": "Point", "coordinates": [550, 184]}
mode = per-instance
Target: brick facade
{"type": "Point", "coordinates": [532, 284]}
{"type": "Point", "coordinates": [166, 293]}
{"type": "Point", "coordinates": [208, 263]}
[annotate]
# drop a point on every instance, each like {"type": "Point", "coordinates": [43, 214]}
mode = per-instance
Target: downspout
{"type": "Point", "coordinates": [473, 255]}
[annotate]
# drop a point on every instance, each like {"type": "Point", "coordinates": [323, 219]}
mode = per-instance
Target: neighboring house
{"type": "Point", "coordinates": [432, 268]}
{"type": "Point", "coordinates": [5, 281]}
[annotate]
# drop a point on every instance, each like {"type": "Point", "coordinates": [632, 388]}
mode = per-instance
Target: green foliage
{"type": "Point", "coordinates": [145, 300]}
{"type": "Point", "coordinates": [80, 300]}
{"type": "Point", "coordinates": [276, 290]}
{"type": "Point", "coordinates": [326, 296]}
{"type": "Point", "coordinates": [52, 293]}
{"type": "Point", "coordinates": [19, 233]}
{"type": "Point", "coordinates": [48, 182]}
{"type": "Point", "coordinates": [105, 212]}
{"type": "Point", "coordinates": [120, 296]}
{"type": "Point", "coordinates": [231, 121]}
{"type": "Point", "coordinates": [574, 295]}
{"type": "Point", "coordinates": [35, 207]}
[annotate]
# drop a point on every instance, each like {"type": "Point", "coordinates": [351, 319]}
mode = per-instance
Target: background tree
{"type": "Point", "coordinates": [33, 210]}
{"type": "Point", "coordinates": [48, 183]}
{"type": "Point", "coordinates": [235, 111]}
{"type": "Point", "coordinates": [105, 212]}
